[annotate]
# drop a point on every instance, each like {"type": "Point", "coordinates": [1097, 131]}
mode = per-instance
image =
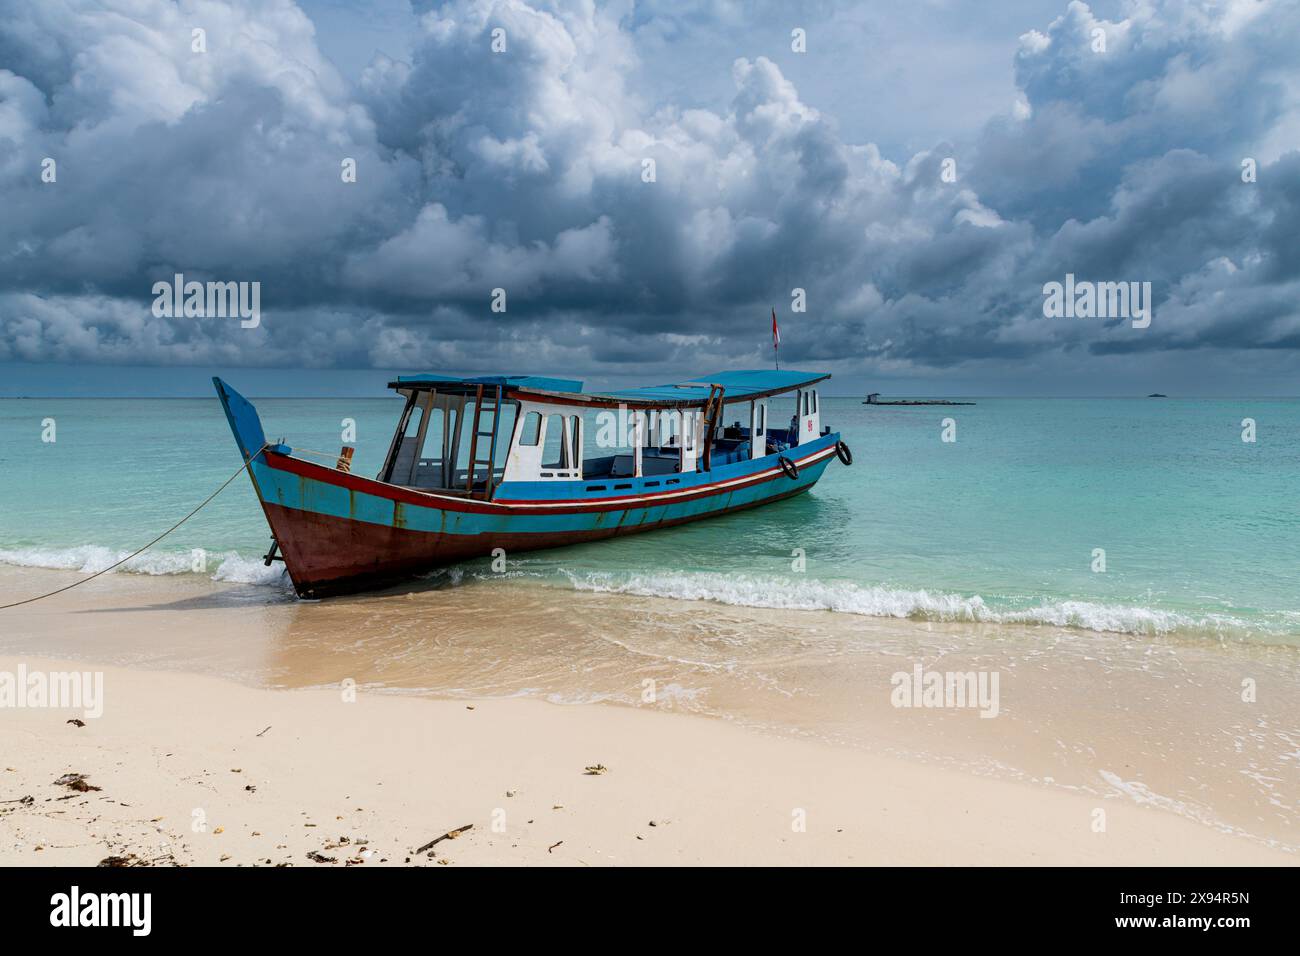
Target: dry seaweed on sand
{"type": "Point", "coordinates": [75, 781]}
{"type": "Point", "coordinates": [130, 859]}
{"type": "Point", "coordinates": [449, 835]}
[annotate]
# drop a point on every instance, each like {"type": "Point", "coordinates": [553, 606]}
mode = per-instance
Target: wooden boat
{"type": "Point", "coordinates": [499, 462]}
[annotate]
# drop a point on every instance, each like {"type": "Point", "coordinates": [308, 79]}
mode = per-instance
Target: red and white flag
{"type": "Point", "coordinates": [776, 331]}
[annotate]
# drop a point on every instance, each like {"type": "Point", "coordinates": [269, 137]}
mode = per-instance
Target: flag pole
{"type": "Point", "coordinates": [776, 341]}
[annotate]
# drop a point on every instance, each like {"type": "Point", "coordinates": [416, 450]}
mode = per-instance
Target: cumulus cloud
{"type": "Point", "coordinates": [627, 232]}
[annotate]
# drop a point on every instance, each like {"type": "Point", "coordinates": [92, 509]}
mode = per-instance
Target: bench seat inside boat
{"type": "Point", "coordinates": [654, 461]}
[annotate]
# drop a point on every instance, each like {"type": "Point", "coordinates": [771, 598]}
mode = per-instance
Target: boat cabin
{"type": "Point", "coordinates": [469, 436]}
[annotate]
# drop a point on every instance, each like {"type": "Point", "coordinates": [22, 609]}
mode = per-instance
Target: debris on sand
{"type": "Point", "coordinates": [75, 781]}
{"type": "Point", "coordinates": [554, 845]}
{"type": "Point", "coordinates": [76, 722]}
{"type": "Point", "coordinates": [320, 857]}
{"type": "Point", "coordinates": [130, 859]}
{"type": "Point", "coordinates": [26, 801]}
{"type": "Point", "coordinates": [596, 770]}
{"type": "Point", "coordinates": [449, 835]}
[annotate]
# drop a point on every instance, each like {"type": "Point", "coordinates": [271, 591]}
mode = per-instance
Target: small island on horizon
{"type": "Point", "coordinates": [874, 399]}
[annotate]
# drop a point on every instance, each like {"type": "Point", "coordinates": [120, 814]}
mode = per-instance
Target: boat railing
{"type": "Point", "coordinates": [327, 456]}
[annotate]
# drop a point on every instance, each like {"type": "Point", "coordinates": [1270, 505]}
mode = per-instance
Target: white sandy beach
{"type": "Point", "coordinates": [226, 735]}
{"type": "Point", "coordinates": [273, 776]}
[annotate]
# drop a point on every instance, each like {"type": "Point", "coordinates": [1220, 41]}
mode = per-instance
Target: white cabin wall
{"type": "Point", "coordinates": [809, 416]}
{"type": "Point", "coordinates": [579, 437]}
{"type": "Point", "coordinates": [524, 462]}
{"type": "Point", "coordinates": [639, 430]}
{"type": "Point", "coordinates": [758, 428]}
{"type": "Point", "coordinates": [690, 438]}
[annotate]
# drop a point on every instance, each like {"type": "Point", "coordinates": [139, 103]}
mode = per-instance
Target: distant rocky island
{"type": "Point", "coordinates": [1157, 395]}
{"type": "Point", "coordinates": [874, 399]}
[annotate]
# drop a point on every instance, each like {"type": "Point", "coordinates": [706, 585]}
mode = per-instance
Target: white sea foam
{"type": "Point", "coordinates": [237, 569]}
{"type": "Point", "coordinates": [880, 601]}
{"type": "Point", "coordinates": [90, 558]}
{"type": "Point", "coordinates": [733, 589]}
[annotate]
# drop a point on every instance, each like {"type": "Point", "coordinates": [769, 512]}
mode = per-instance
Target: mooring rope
{"type": "Point", "coordinates": [69, 587]}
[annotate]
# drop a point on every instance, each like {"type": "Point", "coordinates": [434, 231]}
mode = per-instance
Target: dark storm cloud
{"type": "Point", "coordinates": [523, 170]}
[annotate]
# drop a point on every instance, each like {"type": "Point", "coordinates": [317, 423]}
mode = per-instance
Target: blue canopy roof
{"type": "Point", "coordinates": [737, 385]}
{"type": "Point", "coordinates": [742, 384]}
{"type": "Point", "coordinates": [433, 379]}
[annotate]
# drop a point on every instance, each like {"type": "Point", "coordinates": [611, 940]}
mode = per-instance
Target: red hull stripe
{"type": "Point", "coordinates": [381, 489]}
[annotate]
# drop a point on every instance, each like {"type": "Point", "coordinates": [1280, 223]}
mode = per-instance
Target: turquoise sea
{"type": "Point", "coordinates": [1200, 529]}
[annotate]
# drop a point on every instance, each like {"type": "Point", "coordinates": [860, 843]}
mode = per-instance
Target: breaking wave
{"type": "Point", "coordinates": [229, 566]}
{"type": "Point", "coordinates": [880, 601]}
{"type": "Point", "coordinates": [733, 589]}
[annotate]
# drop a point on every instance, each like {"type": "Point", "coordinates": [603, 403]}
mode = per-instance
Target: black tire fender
{"type": "Point", "coordinates": [842, 452]}
{"type": "Point", "coordinates": [790, 468]}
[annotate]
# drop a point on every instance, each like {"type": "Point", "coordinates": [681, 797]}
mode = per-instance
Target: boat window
{"type": "Point", "coordinates": [762, 417]}
{"type": "Point", "coordinates": [427, 470]}
{"type": "Point", "coordinates": [556, 453]}
{"type": "Point", "coordinates": [531, 430]}
{"type": "Point", "coordinates": [432, 447]}
{"type": "Point", "coordinates": [805, 402]}
{"type": "Point", "coordinates": [413, 423]}
{"type": "Point", "coordinates": [665, 428]}
{"type": "Point", "coordinates": [505, 428]}
{"type": "Point", "coordinates": [405, 456]}
{"type": "Point", "coordinates": [814, 401]}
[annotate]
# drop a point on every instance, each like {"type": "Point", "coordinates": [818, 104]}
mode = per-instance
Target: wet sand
{"type": "Point", "coordinates": [1084, 721]}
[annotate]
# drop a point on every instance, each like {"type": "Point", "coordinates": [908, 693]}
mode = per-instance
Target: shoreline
{"type": "Point", "coordinates": [1122, 619]}
{"type": "Point", "coordinates": [1112, 720]}
{"type": "Point", "coordinates": [389, 774]}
